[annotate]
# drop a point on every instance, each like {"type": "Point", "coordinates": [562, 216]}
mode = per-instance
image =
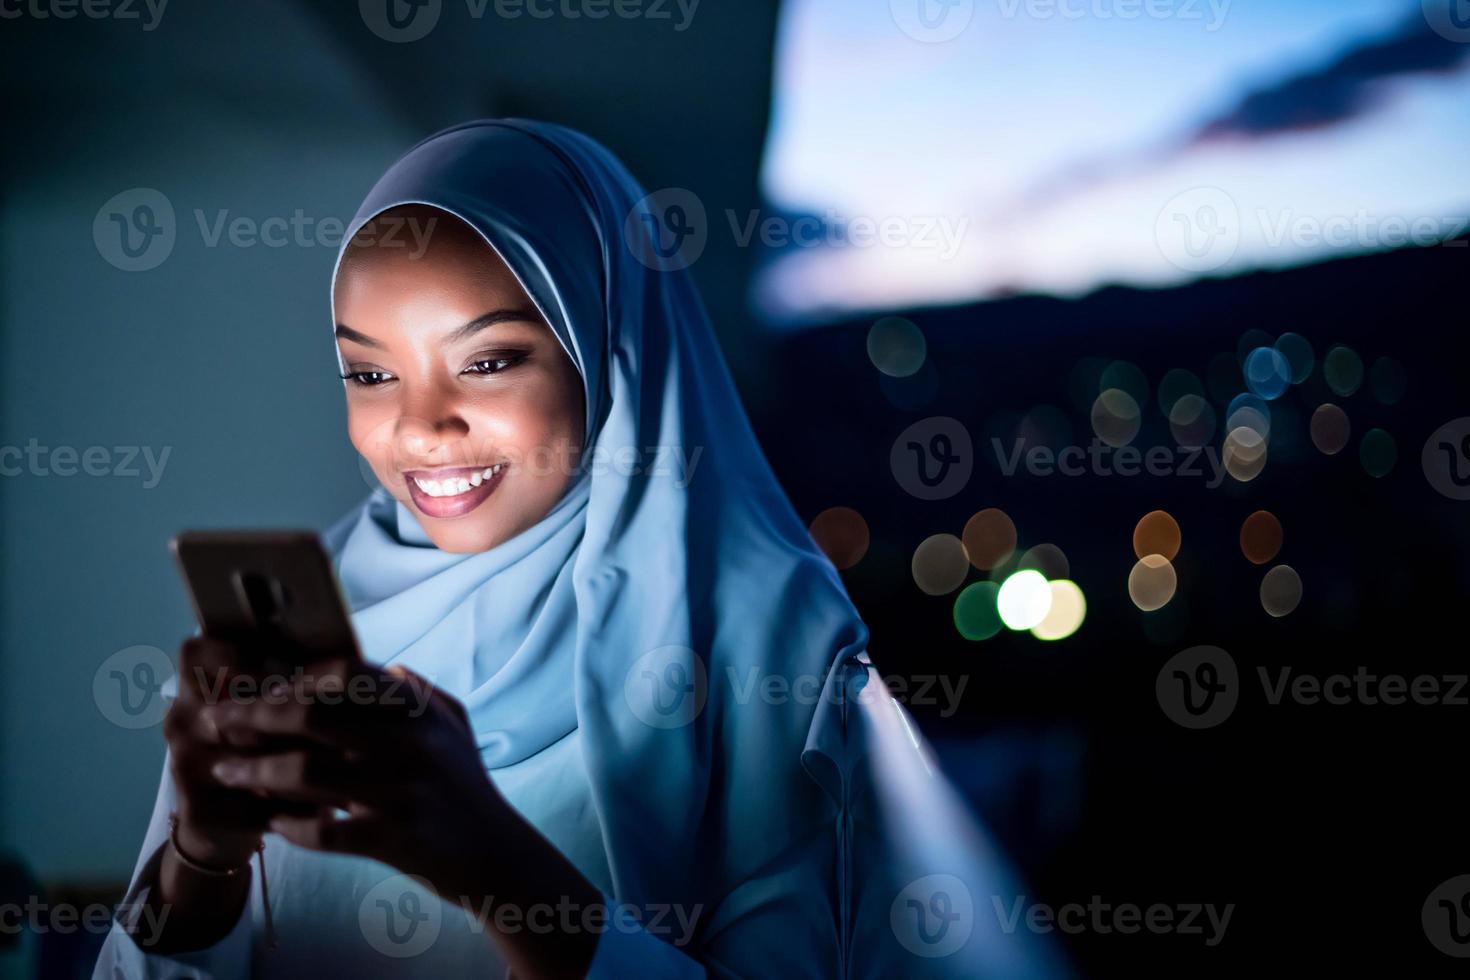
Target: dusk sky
{"type": "Point", "coordinates": [1036, 150]}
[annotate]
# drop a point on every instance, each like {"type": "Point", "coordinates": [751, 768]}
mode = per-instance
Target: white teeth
{"type": "Point", "coordinates": [455, 485]}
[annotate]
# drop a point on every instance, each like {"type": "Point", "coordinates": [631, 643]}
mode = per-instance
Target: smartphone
{"type": "Point", "coordinates": [272, 592]}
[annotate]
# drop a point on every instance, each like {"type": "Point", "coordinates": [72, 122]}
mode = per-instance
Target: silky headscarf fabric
{"type": "Point", "coordinates": [647, 607]}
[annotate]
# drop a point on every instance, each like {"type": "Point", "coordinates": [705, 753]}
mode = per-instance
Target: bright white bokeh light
{"type": "Point", "coordinates": [1024, 600]}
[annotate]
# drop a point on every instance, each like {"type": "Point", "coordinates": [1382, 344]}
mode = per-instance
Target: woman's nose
{"type": "Point", "coordinates": [428, 430]}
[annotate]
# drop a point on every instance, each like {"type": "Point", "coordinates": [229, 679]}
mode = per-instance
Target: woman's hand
{"type": "Point", "coordinates": [385, 746]}
{"type": "Point", "coordinates": [218, 825]}
{"type": "Point", "coordinates": [399, 757]}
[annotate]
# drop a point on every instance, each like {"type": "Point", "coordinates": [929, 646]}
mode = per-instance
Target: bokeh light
{"type": "Point", "coordinates": [1249, 341]}
{"type": "Point", "coordinates": [1192, 422]}
{"type": "Point", "coordinates": [1125, 376]}
{"type": "Point", "coordinates": [1024, 600]}
{"type": "Point", "coordinates": [1299, 355]}
{"type": "Point", "coordinates": [989, 538]}
{"type": "Point", "coordinates": [1068, 609]}
{"type": "Point", "coordinates": [1157, 534]}
{"type": "Point", "coordinates": [1174, 385]}
{"type": "Point", "coordinates": [1244, 454]}
{"type": "Point", "coordinates": [1388, 380]}
{"type": "Point", "coordinates": [1261, 537]}
{"type": "Point", "coordinates": [1267, 373]}
{"type": "Point", "coordinates": [1343, 369]}
{"type": "Point", "coordinates": [896, 346]}
{"type": "Point", "coordinates": [1047, 559]}
{"type": "Point", "coordinates": [1330, 429]}
{"type": "Point", "coordinates": [842, 534]}
{"type": "Point", "coordinates": [976, 615]}
{"type": "Point", "coordinates": [1251, 411]}
{"type": "Point", "coordinates": [1152, 582]}
{"type": "Point", "coordinates": [1281, 591]}
{"type": "Point", "coordinates": [1378, 453]}
{"type": "Point", "coordinates": [1116, 417]}
{"type": "Point", "coordinates": [940, 566]}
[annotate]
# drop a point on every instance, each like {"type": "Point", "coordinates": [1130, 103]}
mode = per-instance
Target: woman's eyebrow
{"type": "Point", "coordinates": [490, 319]}
{"type": "Point", "coordinates": [345, 332]}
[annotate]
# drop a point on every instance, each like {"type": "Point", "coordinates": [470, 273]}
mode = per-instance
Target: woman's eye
{"type": "Point", "coordinates": [369, 379]}
{"type": "Point", "coordinates": [491, 365]}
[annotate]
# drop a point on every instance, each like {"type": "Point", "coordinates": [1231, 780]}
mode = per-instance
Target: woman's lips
{"type": "Point", "coordinates": [452, 492]}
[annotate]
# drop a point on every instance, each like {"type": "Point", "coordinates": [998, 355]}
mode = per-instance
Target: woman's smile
{"type": "Point", "coordinates": [452, 492]}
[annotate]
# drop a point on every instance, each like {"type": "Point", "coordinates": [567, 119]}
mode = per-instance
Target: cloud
{"type": "Point", "coordinates": [1347, 87]}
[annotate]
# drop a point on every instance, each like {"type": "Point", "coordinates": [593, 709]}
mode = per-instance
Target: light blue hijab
{"type": "Point", "coordinates": [638, 609]}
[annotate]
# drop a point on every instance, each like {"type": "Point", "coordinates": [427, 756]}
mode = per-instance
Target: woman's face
{"type": "Point", "coordinates": [458, 394]}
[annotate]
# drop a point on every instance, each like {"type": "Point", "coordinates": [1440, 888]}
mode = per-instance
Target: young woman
{"type": "Point", "coordinates": [611, 725]}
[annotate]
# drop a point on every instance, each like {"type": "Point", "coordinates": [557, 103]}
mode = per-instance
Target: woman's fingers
{"type": "Point", "coordinates": [315, 776]}
{"type": "Point", "coordinates": [361, 711]}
